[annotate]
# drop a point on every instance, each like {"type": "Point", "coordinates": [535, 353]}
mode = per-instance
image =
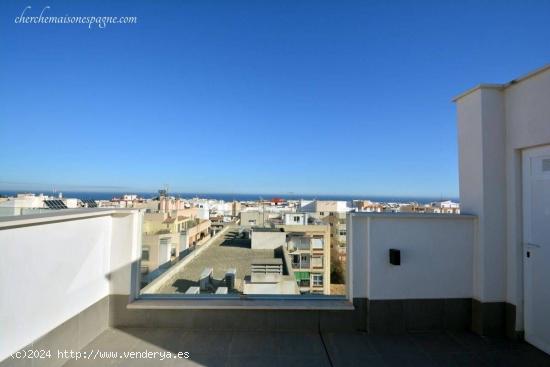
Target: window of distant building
{"type": "Point", "coordinates": [342, 233]}
{"type": "Point", "coordinates": [317, 261]}
{"type": "Point", "coordinates": [317, 242]}
{"type": "Point", "coordinates": [297, 219]}
{"type": "Point", "coordinates": [321, 213]}
{"type": "Point", "coordinates": [317, 280]}
{"type": "Point", "coordinates": [145, 253]}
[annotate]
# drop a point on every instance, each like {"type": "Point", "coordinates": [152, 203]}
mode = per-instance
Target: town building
{"type": "Point", "coordinates": [167, 236]}
{"type": "Point", "coordinates": [333, 213]}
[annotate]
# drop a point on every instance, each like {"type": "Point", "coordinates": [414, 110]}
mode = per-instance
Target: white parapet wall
{"type": "Point", "coordinates": [54, 266]}
{"type": "Point", "coordinates": [436, 256]}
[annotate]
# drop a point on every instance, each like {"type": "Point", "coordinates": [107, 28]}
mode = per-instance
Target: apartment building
{"type": "Point", "coordinates": [235, 208]}
{"type": "Point", "coordinates": [444, 207]}
{"type": "Point", "coordinates": [333, 213]}
{"type": "Point", "coordinates": [253, 218]}
{"type": "Point", "coordinates": [367, 206]}
{"type": "Point", "coordinates": [296, 218]}
{"type": "Point", "coordinates": [166, 235]}
{"type": "Point", "coordinates": [262, 216]}
{"type": "Point", "coordinates": [29, 203]}
{"type": "Point", "coordinates": [309, 250]}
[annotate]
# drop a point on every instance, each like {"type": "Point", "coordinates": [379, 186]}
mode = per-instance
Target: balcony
{"type": "Point", "coordinates": [80, 295]}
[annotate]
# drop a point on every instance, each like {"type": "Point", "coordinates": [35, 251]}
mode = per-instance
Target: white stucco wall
{"type": "Point", "coordinates": [436, 256]}
{"type": "Point", "coordinates": [496, 123]}
{"type": "Point", "coordinates": [289, 219]}
{"type": "Point", "coordinates": [51, 271]}
{"type": "Point", "coordinates": [482, 193]}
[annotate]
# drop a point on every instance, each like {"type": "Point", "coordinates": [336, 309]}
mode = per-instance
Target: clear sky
{"type": "Point", "coordinates": [253, 97]}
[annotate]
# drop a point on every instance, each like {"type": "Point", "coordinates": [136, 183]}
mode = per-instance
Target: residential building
{"type": "Point", "coordinates": [166, 236]}
{"type": "Point", "coordinates": [309, 250]}
{"type": "Point", "coordinates": [28, 203]}
{"type": "Point", "coordinates": [297, 219]}
{"type": "Point", "coordinates": [368, 206]}
{"type": "Point", "coordinates": [446, 207]}
{"type": "Point", "coordinates": [333, 213]}
{"type": "Point", "coordinates": [235, 208]}
{"type": "Point", "coordinates": [253, 218]}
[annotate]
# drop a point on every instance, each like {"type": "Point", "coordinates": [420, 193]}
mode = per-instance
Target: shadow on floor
{"type": "Point", "coordinates": [236, 242]}
{"type": "Point", "coordinates": [182, 285]}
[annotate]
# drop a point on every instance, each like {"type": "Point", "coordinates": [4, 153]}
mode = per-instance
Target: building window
{"type": "Point", "coordinates": [297, 219]}
{"type": "Point", "coordinates": [317, 243]}
{"type": "Point", "coordinates": [317, 261]}
{"type": "Point", "coordinates": [304, 261]}
{"type": "Point", "coordinates": [145, 253]}
{"type": "Point", "coordinates": [317, 280]}
{"type": "Point", "coordinates": [321, 213]}
{"type": "Point", "coordinates": [342, 233]}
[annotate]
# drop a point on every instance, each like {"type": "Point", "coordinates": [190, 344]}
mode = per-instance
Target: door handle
{"type": "Point", "coordinates": [529, 244]}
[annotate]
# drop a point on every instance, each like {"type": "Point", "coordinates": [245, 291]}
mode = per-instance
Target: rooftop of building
{"type": "Point", "coordinates": [227, 252]}
{"type": "Point", "coordinates": [267, 229]}
{"type": "Point", "coordinates": [503, 85]}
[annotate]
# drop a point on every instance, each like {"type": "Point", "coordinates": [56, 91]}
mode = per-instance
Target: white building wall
{"type": "Point", "coordinates": [508, 118]}
{"type": "Point", "coordinates": [289, 219]}
{"type": "Point", "coordinates": [482, 188]}
{"type": "Point", "coordinates": [52, 271]}
{"type": "Point", "coordinates": [436, 256]}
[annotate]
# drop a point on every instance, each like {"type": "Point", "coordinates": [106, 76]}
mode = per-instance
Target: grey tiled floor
{"type": "Point", "coordinates": [211, 348]}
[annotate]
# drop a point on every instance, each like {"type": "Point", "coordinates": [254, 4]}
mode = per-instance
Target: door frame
{"type": "Point", "coordinates": [526, 156]}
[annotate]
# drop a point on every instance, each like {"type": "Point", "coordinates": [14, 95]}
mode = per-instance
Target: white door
{"type": "Point", "coordinates": [536, 253]}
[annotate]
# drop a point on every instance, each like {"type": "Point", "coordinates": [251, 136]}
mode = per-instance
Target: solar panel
{"type": "Point", "coordinates": [91, 203]}
{"type": "Point", "coordinates": [55, 204]}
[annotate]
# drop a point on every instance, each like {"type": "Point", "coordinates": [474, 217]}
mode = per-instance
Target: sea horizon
{"type": "Point", "coordinates": [98, 195]}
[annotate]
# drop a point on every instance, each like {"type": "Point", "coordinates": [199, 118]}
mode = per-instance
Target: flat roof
{"type": "Point", "coordinates": [504, 85]}
{"type": "Point", "coordinates": [413, 215]}
{"type": "Point", "coordinates": [228, 253]}
{"type": "Point", "coordinates": [263, 229]}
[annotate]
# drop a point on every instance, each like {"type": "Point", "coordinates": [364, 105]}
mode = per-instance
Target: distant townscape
{"type": "Point", "coordinates": [264, 246]}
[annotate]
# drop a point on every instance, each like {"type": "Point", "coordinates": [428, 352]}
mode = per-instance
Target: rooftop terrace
{"type": "Point", "coordinates": [228, 251]}
{"type": "Point", "coordinates": [291, 348]}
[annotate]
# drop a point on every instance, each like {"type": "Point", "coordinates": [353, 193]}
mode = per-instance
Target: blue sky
{"type": "Point", "coordinates": [253, 97]}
